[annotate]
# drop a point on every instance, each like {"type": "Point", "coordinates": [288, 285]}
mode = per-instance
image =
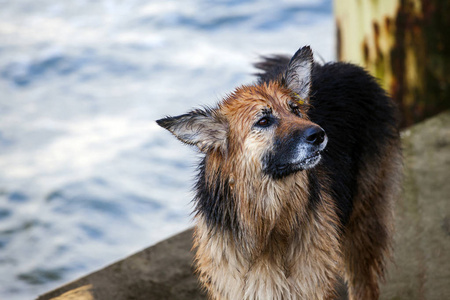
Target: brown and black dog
{"type": "Point", "coordinates": [297, 182]}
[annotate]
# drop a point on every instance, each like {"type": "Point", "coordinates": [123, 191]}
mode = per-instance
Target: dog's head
{"type": "Point", "coordinates": [264, 127]}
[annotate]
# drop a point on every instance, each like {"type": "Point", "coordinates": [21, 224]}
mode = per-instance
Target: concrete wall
{"type": "Point", "coordinates": [422, 240]}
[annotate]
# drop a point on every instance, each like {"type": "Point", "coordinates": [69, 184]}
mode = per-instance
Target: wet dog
{"type": "Point", "coordinates": [296, 185]}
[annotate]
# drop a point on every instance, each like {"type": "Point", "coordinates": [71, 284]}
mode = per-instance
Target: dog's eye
{"type": "Point", "coordinates": [264, 122]}
{"type": "Point", "coordinates": [296, 110]}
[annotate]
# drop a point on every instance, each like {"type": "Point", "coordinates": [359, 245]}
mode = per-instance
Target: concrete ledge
{"type": "Point", "coordinates": [162, 271]}
{"type": "Point", "coordinates": [422, 240]}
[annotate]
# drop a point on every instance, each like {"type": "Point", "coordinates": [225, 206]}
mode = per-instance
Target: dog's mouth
{"type": "Point", "coordinates": [306, 163]}
{"type": "Point", "coordinates": [280, 168]}
{"type": "Point", "coordinates": [309, 162]}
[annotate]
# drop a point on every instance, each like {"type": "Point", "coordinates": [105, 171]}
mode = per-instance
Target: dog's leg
{"type": "Point", "coordinates": [367, 244]}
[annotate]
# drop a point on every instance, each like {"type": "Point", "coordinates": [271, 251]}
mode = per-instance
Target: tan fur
{"type": "Point", "coordinates": [283, 265]}
{"type": "Point", "coordinates": [270, 260]}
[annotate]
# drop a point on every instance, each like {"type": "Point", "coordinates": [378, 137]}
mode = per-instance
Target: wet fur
{"type": "Point", "coordinates": [267, 235]}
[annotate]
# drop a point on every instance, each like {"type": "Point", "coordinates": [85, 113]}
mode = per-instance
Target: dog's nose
{"type": "Point", "coordinates": [314, 135]}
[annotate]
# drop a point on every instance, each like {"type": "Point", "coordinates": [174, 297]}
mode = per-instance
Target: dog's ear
{"type": "Point", "coordinates": [298, 73]}
{"type": "Point", "coordinates": [205, 128]}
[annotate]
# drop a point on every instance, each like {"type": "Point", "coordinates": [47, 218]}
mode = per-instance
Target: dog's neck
{"type": "Point", "coordinates": [259, 211]}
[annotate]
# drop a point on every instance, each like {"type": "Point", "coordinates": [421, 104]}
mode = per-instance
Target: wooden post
{"type": "Point", "coordinates": [404, 43]}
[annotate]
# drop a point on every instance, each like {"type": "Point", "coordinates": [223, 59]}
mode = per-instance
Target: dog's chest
{"type": "Point", "coordinates": [278, 272]}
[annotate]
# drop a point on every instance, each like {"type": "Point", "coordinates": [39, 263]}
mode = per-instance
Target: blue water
{"type": "Point", "coordinates": [86, 176]}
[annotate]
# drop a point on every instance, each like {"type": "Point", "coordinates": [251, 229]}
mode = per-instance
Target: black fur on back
{"type": "Point", "coordinates": [355, 113]}
{"type": "Point", "coordinates": [272, 66]}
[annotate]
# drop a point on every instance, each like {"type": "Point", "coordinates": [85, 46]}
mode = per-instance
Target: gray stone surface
{"type": "Point", "coordinates": [422, 240]}
{"type": "Point", "coordinates": [162, 271]}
